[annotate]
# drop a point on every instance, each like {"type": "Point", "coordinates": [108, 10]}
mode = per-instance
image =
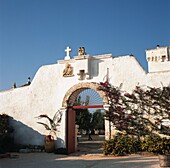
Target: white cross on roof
{"type": "Point", "coordinates": [67, 50]}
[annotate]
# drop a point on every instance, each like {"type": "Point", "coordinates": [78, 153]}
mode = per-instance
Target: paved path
{"type": "Point", "coordinates": [89, 155]}
{"type": "Point", "coordinates": [50, 160]}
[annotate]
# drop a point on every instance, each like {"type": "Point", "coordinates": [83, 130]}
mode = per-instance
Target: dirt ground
{"type": "Point", "coordinates": [88, 155]}
{"type": "Point", "coordinates": [50, 160]}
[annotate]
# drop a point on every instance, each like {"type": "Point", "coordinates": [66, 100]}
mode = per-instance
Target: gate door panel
{"type": "Point", "coordinates": [71, 115]}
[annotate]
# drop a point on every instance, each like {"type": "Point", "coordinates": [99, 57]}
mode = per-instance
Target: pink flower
{"type": "Point", "coordinates": [128, 95]}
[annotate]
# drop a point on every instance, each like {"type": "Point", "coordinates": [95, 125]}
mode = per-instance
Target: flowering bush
{"type": "Point", "coordinates": [138, 113]}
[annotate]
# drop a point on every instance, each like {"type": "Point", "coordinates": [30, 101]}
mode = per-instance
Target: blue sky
{"type": "Point", "coordinates": [36, 32]}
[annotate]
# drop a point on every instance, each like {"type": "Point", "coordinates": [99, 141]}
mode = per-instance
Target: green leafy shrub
{"type": "Point", "coordinates": [121, 144]}
{"type": "Point", "coordinates": [108, 147]}
{"type": "Point", "coordinates": [156, 144]}
{"type": "Point", "coordinates": [6, 139]}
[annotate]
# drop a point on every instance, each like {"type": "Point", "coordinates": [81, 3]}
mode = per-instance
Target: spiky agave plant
{"type": "Point", "coordinates": [53, 122]}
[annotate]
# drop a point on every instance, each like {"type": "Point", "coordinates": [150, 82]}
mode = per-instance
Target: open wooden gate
{"type": "Point", "coordinates": [71, 130]}
{"type": "Point", "coordinates": [71, 115]}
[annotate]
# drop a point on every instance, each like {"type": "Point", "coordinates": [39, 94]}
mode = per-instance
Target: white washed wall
{"type": "Point", "coordinates": [48, 88]}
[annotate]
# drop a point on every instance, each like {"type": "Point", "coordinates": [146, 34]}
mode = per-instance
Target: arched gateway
{"type": "Point", "coordinates": [68, 102]}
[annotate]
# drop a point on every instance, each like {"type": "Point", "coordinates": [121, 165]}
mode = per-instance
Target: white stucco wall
{"type": "Point", "coordinates": [158, 59]}
{"type": "Point", "coordinates": [158, 66]}
{"type": "Point", "coordinates": [48, 88]}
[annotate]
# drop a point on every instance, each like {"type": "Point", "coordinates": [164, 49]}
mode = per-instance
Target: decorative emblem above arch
{"type": "Point", "coordinates": [74, 91]}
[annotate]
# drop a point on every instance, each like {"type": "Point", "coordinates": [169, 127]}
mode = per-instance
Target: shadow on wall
{"type": "Point", "coordinates": [25, 135]}
{"type": "Point", "coordinates": [94, 66]}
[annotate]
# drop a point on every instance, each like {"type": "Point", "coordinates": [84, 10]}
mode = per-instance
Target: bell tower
{"type": "Point", "coordinates": [158, 59]}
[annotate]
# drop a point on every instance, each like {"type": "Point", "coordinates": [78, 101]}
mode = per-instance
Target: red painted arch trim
{"type": "Point", "coordinates": [86, 107]}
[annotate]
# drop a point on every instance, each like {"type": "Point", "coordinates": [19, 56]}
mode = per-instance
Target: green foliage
{"type": "Point", "coordinates": [79, 102]}
{"type": "Point", "coordinates": [121, 144]}
{"type": "Point", "coordinates": [5, 128]}
{"type": "Point", "coordinates": [87, 120]}
{"type": "Point", "coordinates": [155, 144]}
{"type": "Point", "coordinates": [98, 120]}
{"type": "Point", "coordinates": [83, 119]}
{"type": "Point", "coordinates": [139, 113]}
{"type": "Point", "coordinates": [83, 116]}
{"type": "Point", "coordinates": [6, 139]}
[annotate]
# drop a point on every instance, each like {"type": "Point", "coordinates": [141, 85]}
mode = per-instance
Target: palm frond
{"type": "Point", "coordinates": [57, 117]}
{"type": "Point", "coordinates": [45, 125]}
{"type": "Point", "coordinates": [53, 122]}
{"type": "Point", "coordinates": [45, 116]}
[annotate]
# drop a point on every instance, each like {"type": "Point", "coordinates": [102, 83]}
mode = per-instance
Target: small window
{"type": "Point", "coordinates": [149, 59]}
{"type": "Point", "coordinates": [152, 58]}
{"type": "Point", "coordinates": [156, 58]}
{"type": "Point", "coordinates": [163, 58]}
{"type": "Point", "coordinates": [82, 74]}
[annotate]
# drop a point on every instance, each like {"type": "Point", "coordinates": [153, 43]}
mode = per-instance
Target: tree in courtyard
{"type": "Point", "coordinates": [98, 120]}
{"type": "Point", "coordinates": [83, 116]}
